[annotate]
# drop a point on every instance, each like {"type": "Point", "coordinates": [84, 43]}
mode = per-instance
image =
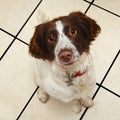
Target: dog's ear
{"type": "Point", "coordinates": [41, 17]}
{"type": "Point", "coordinates": [37, 44]}
{"type": "Point", "coordinates": [89, 26]}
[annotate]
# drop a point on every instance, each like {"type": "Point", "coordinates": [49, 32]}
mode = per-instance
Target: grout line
{"type": "Point", "coordinates": [22, 41]}
{"type": "Point", "coordinates": [11, 45]}
{"type": "Point", "coordinates": [83, 114]}
{"type": "Point", "coordinates": [29, 17]}
{"type": "Point", "coordinates": [106, 10]}
{"type": "Point", "coordinates": [103, 8]}
{"type": "Point", "coordinates": [89, 6]}
{"type": "Point", "coordinates": [7, 32]}
{"type": "Point", "coordinates": [27, 103]}
{"type": "Point", "coordinates": [20, 30]}
{"type": "Point", "coordinates": [87, 1]}
{"type": "Point", "coordinates": [108, 90]}
{"type": "Point", "coordinates": [99, 85]}
{"type": "Point", "coordinates": [107, 72]}
{"type": "Point", "coordinates": [7, 49]}
{"type": "Point", "coordinates": [13, 36]}
{"type": "Point", "coordinates": [101, 82]}
{"type": "Point", "coordinates": [85, 13]}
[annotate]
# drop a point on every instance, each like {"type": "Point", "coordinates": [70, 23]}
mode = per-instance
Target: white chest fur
{"type": "Point", "coordinates": [56, 90]}
{"type": "Point", "coordinates": [52, 78]}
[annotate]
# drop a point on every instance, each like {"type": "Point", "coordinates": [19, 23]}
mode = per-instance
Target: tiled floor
{"type": "Point", "coordinates": [18, 98]}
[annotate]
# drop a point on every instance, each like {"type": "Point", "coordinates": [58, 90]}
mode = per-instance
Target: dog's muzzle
{"type": "Point", "coordinates": [65, 56]}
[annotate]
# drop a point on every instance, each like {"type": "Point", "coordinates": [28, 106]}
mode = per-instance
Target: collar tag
{"type": "Point", "coordinates": [74, 75]}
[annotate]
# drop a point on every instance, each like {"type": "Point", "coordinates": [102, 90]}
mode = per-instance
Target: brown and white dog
{"type": "Point", "coordinates": [64, 68]}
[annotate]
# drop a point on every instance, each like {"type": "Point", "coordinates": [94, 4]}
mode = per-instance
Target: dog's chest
{"type": "Point", "coordinates": [64, 87]}
{"type": "Point", "coordinates": [56, 90]}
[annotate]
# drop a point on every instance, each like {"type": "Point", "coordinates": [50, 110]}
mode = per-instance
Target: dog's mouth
{"type": "Point", "coordinates": [67, 64]}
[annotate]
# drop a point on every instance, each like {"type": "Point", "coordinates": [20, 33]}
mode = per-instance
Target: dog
{"type": "Point", "coordinates": [64, 65]}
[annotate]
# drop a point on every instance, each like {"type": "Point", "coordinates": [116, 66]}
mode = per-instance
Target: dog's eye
{"type": "Point", "coordinates": [51, 39]}
{"type": "Point", "coordinates": [73, 32]}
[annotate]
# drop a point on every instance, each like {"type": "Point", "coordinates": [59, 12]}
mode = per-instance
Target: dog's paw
{"type": "Point", "coordinates": [77, 107]}
{"type": "Point", "coordinates": [87, 102]}
{"type": "Point", "coordinates": [43, 97]}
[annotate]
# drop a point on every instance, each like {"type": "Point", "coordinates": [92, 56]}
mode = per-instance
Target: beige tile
{"type": "Point", "coordinates": [88, 0]}
{"type": "Point", "coordinates": [52, 110]}
{"type": "Point", "coordinates": [62, 7]}
{"type": "Point", "coordinates": [16, 81]}
{"type": "Point", "coordinates": [106, 107]}
{"type": "Point", "coordinates": [16, 72]}
{"type": "Point", "coordinates": [51, 9]}
{"type": "Point", "coordinates": [113, 79]}
{"type": "Point", "coordinates": [13, 14]}
{"type": "Point", "coordinates": [107, 44]}
{"type": "Point", "coordinates": [113, 6]}
{"type": "Point", "coordinates": [5, 40]}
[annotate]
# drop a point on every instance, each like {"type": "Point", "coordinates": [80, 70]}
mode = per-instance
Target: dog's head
{"type": "Point", "coordinates": [64, 39]}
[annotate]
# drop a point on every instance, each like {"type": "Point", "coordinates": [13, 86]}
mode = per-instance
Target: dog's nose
{"type": "Point", "coordinates": [65, 55]}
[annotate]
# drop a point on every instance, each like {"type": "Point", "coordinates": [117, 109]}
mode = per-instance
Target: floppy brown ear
{"type": "Point", "coordinates": [91, 28]}
{"type": "Point", "coordinates": [37, 43]}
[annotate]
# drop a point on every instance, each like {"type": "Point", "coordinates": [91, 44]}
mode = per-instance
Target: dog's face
{"type": "Point", "coordinates": [64, 39]}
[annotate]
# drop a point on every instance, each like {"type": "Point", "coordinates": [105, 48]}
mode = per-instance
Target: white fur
{"type": "Point", "coordinates": [64, 42]}
{"type": "Point", "coordinates": [52, 76]}
{"type": "Point", "coordinates": [41, 17]}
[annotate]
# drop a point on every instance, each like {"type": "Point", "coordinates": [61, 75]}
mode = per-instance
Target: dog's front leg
{"type": "Point", "coordinates": [77, 107]}
{"type": "Point", "coordinates": [87, 101]}
{"type": "Point", "coordinates": [43, 96]}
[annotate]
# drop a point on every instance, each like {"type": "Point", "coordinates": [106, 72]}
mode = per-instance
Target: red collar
{"type": "Point", "coordinates": [77, 74]}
